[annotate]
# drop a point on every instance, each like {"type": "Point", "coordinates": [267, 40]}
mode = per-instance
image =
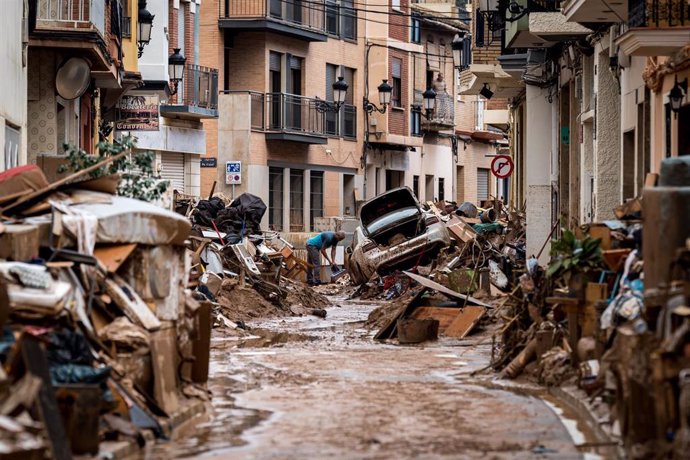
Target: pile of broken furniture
{"type": "Point", "coordinates": [484, 262]}
{"type": "Point", "coordinates": [101, 340]}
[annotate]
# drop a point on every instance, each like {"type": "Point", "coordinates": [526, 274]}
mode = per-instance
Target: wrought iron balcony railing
{"type": "Point", "coordinates": [199, 87]}
{"type": "Point", "coordinates": [304, 14]}
{"type": "Point", "coordinates": [658, 13]}
{"type": "Point", "coordinates": [291, 113]}
{"type": "Point", "coordinates": [443, 116]}
{"type": "Point", "coordinates": [70, 15]}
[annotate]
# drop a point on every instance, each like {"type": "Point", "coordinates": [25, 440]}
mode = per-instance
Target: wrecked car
{"type": "Point", "coordinates": [395, 233]}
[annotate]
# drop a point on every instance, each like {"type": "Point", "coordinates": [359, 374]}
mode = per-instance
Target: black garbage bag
{"type": "Point", "coordinates": [251, 208]}
{"type": "Point", "coordinates": [207, 211]}
{"type": "Point", "coordinates": [68, 347]}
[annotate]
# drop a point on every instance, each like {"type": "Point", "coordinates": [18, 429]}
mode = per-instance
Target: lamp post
{"type": "Point", "coordinates": [677, 94]}
{"type": "Point", "coordinates": [385, 91]}
{"type": "Point", "coordinates": [144, 26]}
{"type": "Point", "coordinates": [339, 94]}
{"type": "Point", "coordinates": [176, 63]}
{"type": "Point", "coordinates": [429, 97]}
{"type": "Point", "coordinates": [461, 51]}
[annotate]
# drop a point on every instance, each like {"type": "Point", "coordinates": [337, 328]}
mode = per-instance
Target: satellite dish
{"type": "Point", "coordinates": [73, 78]}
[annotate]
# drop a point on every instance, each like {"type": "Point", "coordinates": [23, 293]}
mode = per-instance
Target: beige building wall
{"type": "Point", "coordinates": [13, 75]}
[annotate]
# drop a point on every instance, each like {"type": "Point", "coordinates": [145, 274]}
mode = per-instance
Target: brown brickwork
{"type": "Point", "coordinates": [398, 117]}
{"type": "Point", "coordinates": [398, 23]}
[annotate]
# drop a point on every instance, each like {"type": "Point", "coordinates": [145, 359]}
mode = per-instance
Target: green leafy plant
{"type": "Point", "coordinates": [570, 255]}
{"type": "Point", "coordinates": [137, 177]}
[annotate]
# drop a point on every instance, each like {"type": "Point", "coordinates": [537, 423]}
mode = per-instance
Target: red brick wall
{"type": "Point", "coordinates": [398, 117]}
{"type": "Point", "coordinates": [188, 33]}
{"type": "Point", "coordinates": [398, 23]}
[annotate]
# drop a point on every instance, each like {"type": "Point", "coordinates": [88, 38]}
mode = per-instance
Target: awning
{"type": "Point", "coordinates": [502, 84]}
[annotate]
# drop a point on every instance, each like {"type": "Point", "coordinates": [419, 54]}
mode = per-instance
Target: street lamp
{"type": "Point", "coordinates": [385, 91]}
{"type": "Point", "coordinates": [458, 46]}
{"type": "Point", "coordinates": [339, 93]}
{"type": "Point", "coordinates": [677, 94]}
{"type": "Point", "coordinates": [144, 26]}
{"type": "Point", "coordinates": [429, 102]}
{"type": "Point", "coordinates": [176, 63]}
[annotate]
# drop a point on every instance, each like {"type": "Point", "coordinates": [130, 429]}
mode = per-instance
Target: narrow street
{"type": "Point", "coordinates": [313, 388]}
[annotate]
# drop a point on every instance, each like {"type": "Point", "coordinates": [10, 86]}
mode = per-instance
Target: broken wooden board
{"type": "Point", "coordinates": [389, 330]}
{"type": "Point", "coordinates": [163, 355]}
{"type": "Point", "coordinates": [112, 256]}
{"type": "Point", "coordinates": [444, 316]}
{"type": "Point", "coordinates": [465, 321]}
{"type": "Point", "coordinates": [461, 230]}
{"type": "Point", "coordinates": [426, 282]}
{"type": "Point", "coordinates": [131, 304]}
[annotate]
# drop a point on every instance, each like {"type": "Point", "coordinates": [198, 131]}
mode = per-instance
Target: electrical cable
{"type": "Point", "coordinates": [374, 21]}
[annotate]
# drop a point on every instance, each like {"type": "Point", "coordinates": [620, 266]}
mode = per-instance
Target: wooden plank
{"type": "Point", "coordinates": [131, 303]}
{"type": "Point", "coordinates": [426, 282]}
{"type": "Point", "coordinates": [461, 230]}
{"type": "Point", "coordinates": [163, 355]}
{"type": "Point", "coordinates": [466, 320]}
{"type": "Point", "coordinates": [35, 362]}
{"type": "Point", "coordinates": [444, 316]}
{"type": "Point", "coordinates": [113, 256]}
{"type": "Point", "coordinates": [55, 185]}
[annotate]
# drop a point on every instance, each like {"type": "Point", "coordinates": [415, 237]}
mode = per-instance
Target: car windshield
{"type": "Point", "coordinates": [399, 216]}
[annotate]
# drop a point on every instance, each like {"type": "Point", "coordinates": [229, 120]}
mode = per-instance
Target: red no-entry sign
{"type": "Point", "coordinates": [502, 166]}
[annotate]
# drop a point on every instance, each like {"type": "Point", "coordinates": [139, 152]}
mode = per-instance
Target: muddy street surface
{"type": "Point", "coordinates": [311, 388]}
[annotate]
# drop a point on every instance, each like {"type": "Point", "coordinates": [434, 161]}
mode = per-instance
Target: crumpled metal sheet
{"type": "Point", "coordinates": [127, 220]}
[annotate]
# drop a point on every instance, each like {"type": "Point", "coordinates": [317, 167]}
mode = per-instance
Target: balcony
{"type": "Point", "coordinates": [503, 84]}
{"type": "Point", "coordinates": [197, 95]}
{"type": "Point", "coordinates": [70, 16]}
{"type": "Point", "coordinates": [655, 27]}
{"type": "Point", "coordinates": [290, 117]}
{"type": "Point", "coordinates": [342, 123]}
{"type": "Point", "coordinates": [443, 116]}
{"type": "Point", "coordinates": [302, 19]}
{"type": "Point", "coordinates": [595, 11]}
{"type": "Point", "coordinates": [540, 24]}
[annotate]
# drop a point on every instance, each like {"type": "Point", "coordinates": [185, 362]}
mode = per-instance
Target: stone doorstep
{"type": "Point", "coordinates": [120, 450]}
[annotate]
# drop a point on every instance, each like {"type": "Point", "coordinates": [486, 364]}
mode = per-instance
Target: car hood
{"type": "Point", "coordinates": [391, 201]}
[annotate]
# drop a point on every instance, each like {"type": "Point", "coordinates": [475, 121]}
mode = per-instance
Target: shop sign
{"type": "Point", "coordinates": [138, 113]}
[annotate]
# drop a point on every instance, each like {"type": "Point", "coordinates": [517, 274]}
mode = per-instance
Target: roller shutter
{"type": "Point", "coordinates": [173, 170]}
{"type": "Point", "coordinates": [482, 184]}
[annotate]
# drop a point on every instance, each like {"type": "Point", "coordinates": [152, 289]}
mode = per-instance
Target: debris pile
{"type": "Point", "coordinates": [244, 272]}
{"type": "Point", "coordinates": [482, 263]}
{"type": "Point", "coordinates": [101, 340]}
{"type": "Point", "coordinates": [610, 314]}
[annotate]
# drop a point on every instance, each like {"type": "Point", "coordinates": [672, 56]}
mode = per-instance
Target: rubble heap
{"type": "Point", "coordinates": [101, 339]}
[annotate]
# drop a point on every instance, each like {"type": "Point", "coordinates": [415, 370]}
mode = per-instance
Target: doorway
{"type": "Point", "coordinates": [394, 179]}
{"type": "Point", "coordinates": [629, 164]}
{"type": "Point", "coordinates": [683, 132]}
{"type": "Point", "coordinates": [429, 188]}
{"type": "Point", "coordinates": [349, 205]}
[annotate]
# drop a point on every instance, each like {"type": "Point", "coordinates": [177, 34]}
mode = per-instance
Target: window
{"type": "Point", "coordinates": [395, 4]}
{"type": "Point", "coordinates": [13, 139]}
{"type": "Point", "coordinates": [331, 117]}
{"type": "Point", "coordinates": [348, 114]}
{"type": "Point", "coordinates": [415, 29]}
{"type": "Point", "coordinates": [348, 16]}
{"type": "Point", "coordinates": [482, 184]}
{"type": "Point", "coordinates": [332, 17]}
{"type": "Point", "coordinates": [416, 121]}
{"type": "Point", "coordinates": [441, 189]}
{"type": "Point", "coordinates": [296, 200]}
{"type": "Point", "coordinates": [396, 75]}
{"type": "Point", "coordinates": [275, 199]}
{"type": "Point", "coordinates": [415, 186]}
{"type": "Point", "coordinates": [315, 197]}
{"type": "Point", "coordinates": [667, 130]}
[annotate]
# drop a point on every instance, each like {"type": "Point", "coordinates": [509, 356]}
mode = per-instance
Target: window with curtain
{"type": "Point", "coordinates": [396, 76]}
{"type": "Point", "coordinates": [316, 196]}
